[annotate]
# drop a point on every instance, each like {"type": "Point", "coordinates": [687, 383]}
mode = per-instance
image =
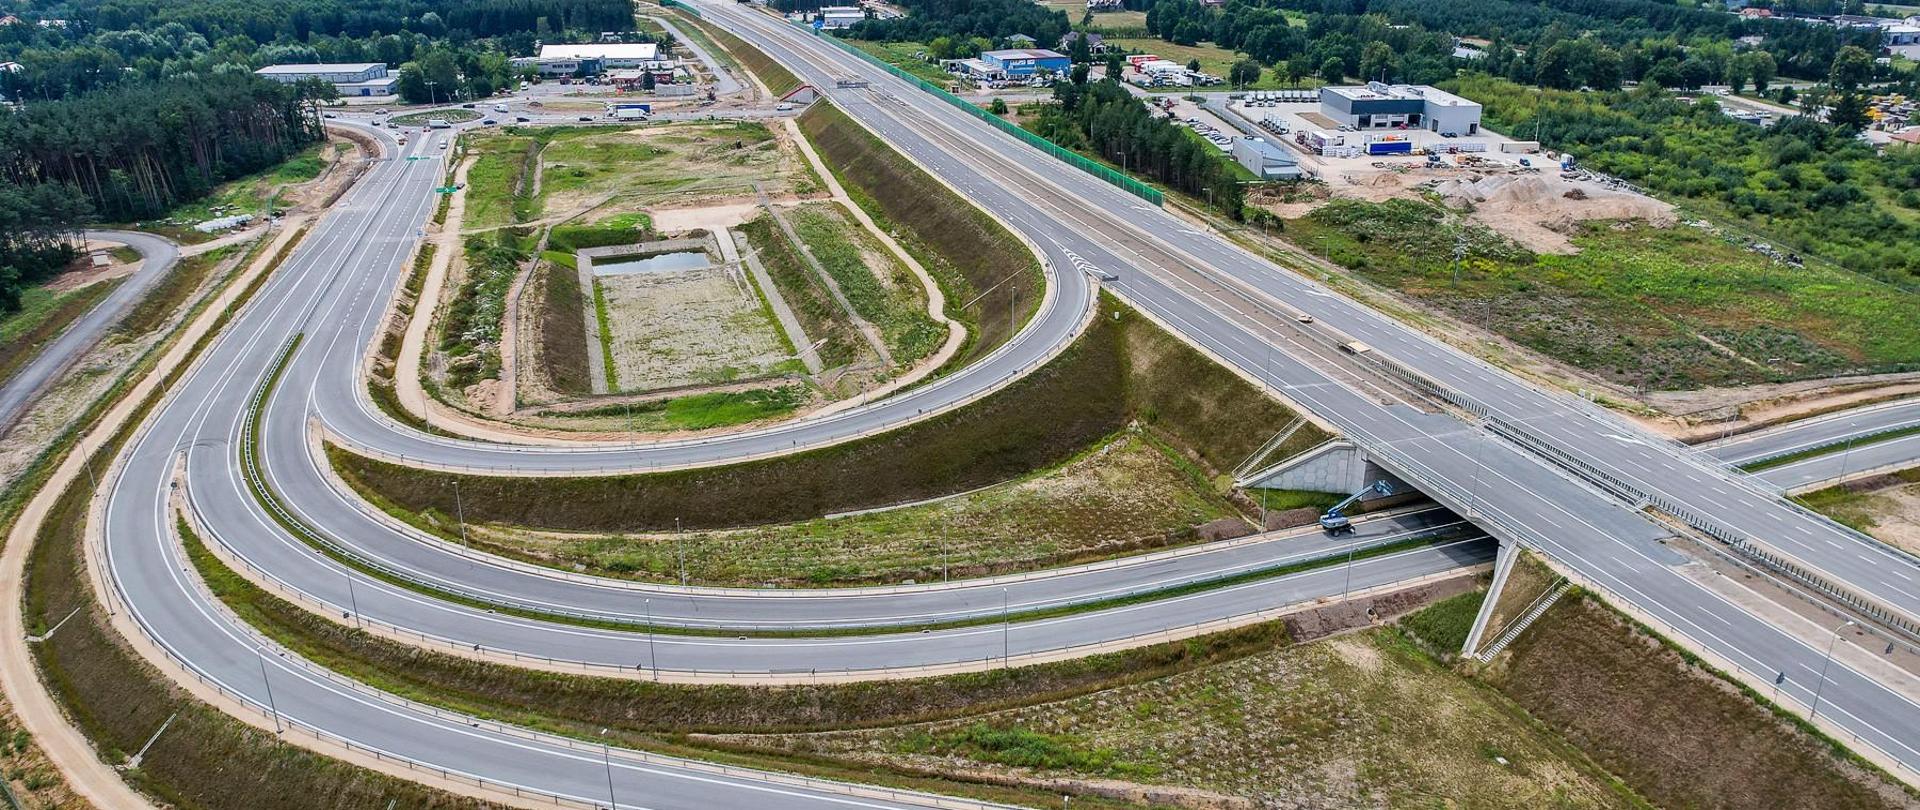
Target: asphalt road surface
{"type": "Point", "coordinates": [334, 291]}
{"type": "Point", "coordinates": [157, 257]}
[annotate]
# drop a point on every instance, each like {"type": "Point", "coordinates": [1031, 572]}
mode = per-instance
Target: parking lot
{"type": "Point", "coordinates": [1288, 122]}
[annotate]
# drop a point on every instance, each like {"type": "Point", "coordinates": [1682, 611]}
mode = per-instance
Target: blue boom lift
{"type": "Point", "coordinates": [1336, 523]}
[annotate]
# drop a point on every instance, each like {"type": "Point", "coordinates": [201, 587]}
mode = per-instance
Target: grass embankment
{"type": "Point", "coordinates": [163, 301]}
{"type": "Point", "coordinates": [563, 329]}
{"type": "Point", "coordinates": [380, 383]}
{"type": "Point", "coordinates": [696, 411]}
{"type": "Point", "coordinates": [1880, 505]}
{"type": "Point", "coordinates": [882, 290]}
{"type": "Point", "coordinates": [1123, 369]}
{"type": "Point", "coordinates": [658, 717]}
{"type": "Point", "coordinates": [991, 280]}
{"type": "Point", "coordinates": [1657, 307]}
{"type": "Point", "coordinates": [820, 316]}
{"type": "Point", "coordinates": [1354, 721]}
{"type": "Point", "coordinates": [42, 316]}
{"type": "Point", "coordinates": [1132, 494]}
{"type": "Point", "coordinates": [778, 80]}
{"type": "Point", "coordinates": [499, 181]}
{"type": "Point", "coordinates": [1679, 733]}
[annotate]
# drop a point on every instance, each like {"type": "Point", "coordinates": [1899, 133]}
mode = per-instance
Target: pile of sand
{"type": "Point", "coordinates": [1539, 210]}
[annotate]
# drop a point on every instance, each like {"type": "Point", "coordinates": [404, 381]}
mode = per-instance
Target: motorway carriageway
{"type": "Point", "coordinates": [345, 275]}
{"type": "Point", "coordinates": [1074, 215]}
{"type": "Point", "coordinates": [1851, 441]}
{"type": "Point", "coordinates": [332, 288]}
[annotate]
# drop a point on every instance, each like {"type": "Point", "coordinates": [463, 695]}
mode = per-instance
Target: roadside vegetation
{"type": "Point", "coordinates": [1122, 370]}
{"type": "Point", "coordinates": [820, 316]}
{"type": "Point", "coordinates": [1803, 185]}
{"type": "Point", "coordinates": [1885, 506]}
{"type": "Point", "coordinates": [883, 291]}
{"type": "Point", "coordinates": [42, 316]}
{"type": "Point", "coordinates": [1654, 307]}
{"type": "Point", "coordinates": [1124, 496]}
{"type": "Point", "coordinates": [991, 280]}
{"type": "Point", "coordinates": [1676, 731]}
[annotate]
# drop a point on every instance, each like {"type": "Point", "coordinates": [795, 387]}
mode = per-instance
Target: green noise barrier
{"type": "Point", "coordinates": [1069, 157]}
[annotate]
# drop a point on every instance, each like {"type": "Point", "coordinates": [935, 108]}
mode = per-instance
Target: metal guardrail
{"type": "Point", "coordinates": [1633, 493]}
{"type": "Point", "coordinates": [1083, 163]}
{"type": "Point", "coordinates": [1811, 450]}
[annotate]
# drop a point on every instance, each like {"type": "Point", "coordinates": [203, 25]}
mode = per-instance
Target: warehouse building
{"type": "Point", "coordinates": [834, 18]}
{"type": "Point", "coordinates": [1266, 159]}
{"type": "Point", "coordinates": [1389, 106]}
{"type": "Point", "coordinates": [1015, 63]}
{"type": "Point", "coordinates": [349, 78]}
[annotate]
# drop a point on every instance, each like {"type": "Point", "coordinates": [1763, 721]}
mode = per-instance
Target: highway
{"type": "Point", "coordinates": [157, 256]}
{"type": "Point", "coordinates": [331, 286]}
{"type": "Point", "coordinates": [334, 291]}
{"type": "Point", "coordinates": [1874, 438]}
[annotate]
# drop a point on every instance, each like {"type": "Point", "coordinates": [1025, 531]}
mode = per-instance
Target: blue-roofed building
{"type": "Point", "coordinates": [1015, 63]}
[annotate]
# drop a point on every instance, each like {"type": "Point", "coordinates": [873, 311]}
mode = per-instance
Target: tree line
{"type": "Point", "coordinates": [1103, 119]}
{"type": "Point", "coordinates": [37, 227]}
{"type": "Point", "coordinates": [119, 41]}
{"type": "Point", "coordinates": [964, 19]}
{"type": "Point", "coordinates": [135, 151]}
{"type": "Point", "coordinates": [1566, 44]}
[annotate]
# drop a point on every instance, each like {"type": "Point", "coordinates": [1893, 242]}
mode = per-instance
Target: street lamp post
{"type": "Point", "coordinates": [460, 511]}
{"type": "Point", "coordinates": [680, 550]}
{"type": "Point", "coordinates": [268, 682]}
{"type": "Point", "coordinates": [653, 659]}
{"type": "Point", "coordinates": [1006, 630]}
{"type": "Point", "coordinates": [1845, 454]}
{"type": "Point", "coordinates": [1822, 685]}
{"type": "Point", "coordinates": [606, 759]}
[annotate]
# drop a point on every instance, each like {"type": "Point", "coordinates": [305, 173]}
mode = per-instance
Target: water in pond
{"type": "Point", "coordinates": [657, 263]}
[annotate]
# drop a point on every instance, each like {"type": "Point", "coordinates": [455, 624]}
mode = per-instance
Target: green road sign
{"type": "Point", "coordinates": [446, 189]}
{"type": "Point", "coordinates": [418, 157]}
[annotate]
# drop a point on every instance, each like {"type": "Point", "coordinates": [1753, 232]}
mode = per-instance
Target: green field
{"type": "Point", "coordinates": [1661, 308]}
{"type": "Point", "coordinates": [452, 115]}
{"type": "Point", "coordinates": [908, 56]}
{"type": "Point", "coordinates": [42, 316]}
{"type": "Point", "coordinates": [1213, 59]}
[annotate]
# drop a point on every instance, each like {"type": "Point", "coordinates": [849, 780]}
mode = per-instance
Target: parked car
{"type": "Point", "coordinates": [468, 105]}
{"type": "Point", "coordinates": [488, 122]}
{"type": "Point", "coordinates": [588, 118]}
{"type": "Point", "coordinates": [521, 119]}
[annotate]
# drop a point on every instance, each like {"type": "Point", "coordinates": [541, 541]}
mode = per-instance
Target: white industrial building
{"type": "Point", "coordinates": [834, 18]}
{"type": "Point", "coordinates": [349, 78]}
{"type": "Point", "coordinates": [1266, 159]}
{"type": "Point", "coordinates": [593, 58]}
{"type": "Point", "coordinates": [1391, 106]}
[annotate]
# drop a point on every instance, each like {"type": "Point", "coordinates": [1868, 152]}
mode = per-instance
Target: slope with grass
{"type": "Point", "coordinates": [1122, 370]}
{"type": "Point", "coordinates": [1679, 733]}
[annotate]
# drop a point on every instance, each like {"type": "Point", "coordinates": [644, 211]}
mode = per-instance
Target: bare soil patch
{"type": "Point", "coordinates": [685, 328]}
